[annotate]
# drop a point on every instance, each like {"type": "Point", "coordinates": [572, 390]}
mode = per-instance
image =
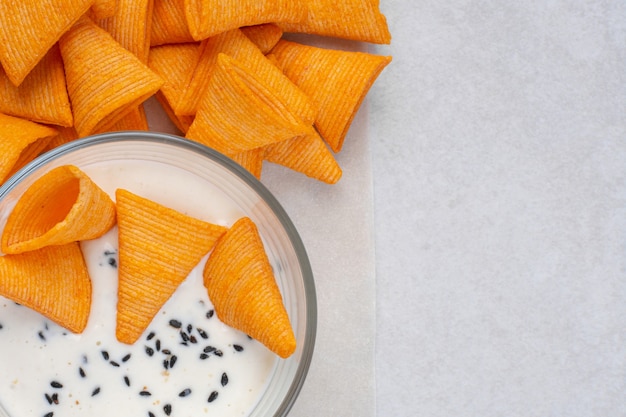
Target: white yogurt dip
{"type": "Point", "coordinates": [187, 363]}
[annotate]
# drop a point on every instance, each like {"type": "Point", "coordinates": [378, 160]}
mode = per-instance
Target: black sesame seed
{"type": "Point", "coordinates": [209, 349]}
{"type": "Point", "coordinates": [203, 356]}
{"type": "Point", "coordinates": [218, 353]}
{"type": "Point", "coordinates": [238, 348]}
{"type": "Point", "coordinates": [126, 358]}
{"type": "Point", "coordinates": [127, 380]}
{"type": "Point", "coordinates": [166, 352]}
{"type": "Point", "coordinates": [184, 336]}
{"type": "Point", "coordinates": [158, 345]}
{"type": "Point", "coordinates": [166, 364]}
{"type": "Point", "coordinates": [149, 351]}
{"type": "Point", "coordinates": [50, 414]}
{"type": "Point", "coordinates": [151, 414]}
{"type": "Point", "coordinates": [95, 392]}
{"type": "Point", "coordinates": [41, 335]}
{"type": "Point", "coordinates": [55, 398]}
{"type": "Point", "coordinates": [173, 360]}
{"type": "Point", "coordinates": [81, 372]}
{"type": "Point", "coordinates": [202, 333]}
{"type": "Point", "coordinates": [175, 324]}
{"type": "Point", "coordinates": [167, 409]}
{"type": "Point", "coordinates": [1, 326]}
{"type": "Point", "coordinates": [112, 262]}
{"type": "Point", "coordinates": [210, 313]}
{"type": "Point", "coordinates": [117, 365]}
{"type": "Point", "coordinates": [145, 393]}
{"type": "Point", "coordinates": [193, 339]}
{"type": "Point", "coordinates": [185, 392]}
{"type": "Point", "coordinates": [105, 355]}
{"type": "Point", "coordinates": [189, 328]}
{"type": "Point", "coordinates": [56, 384]}
{"type": "Point", "coordinates": [150, 336]}
{"type": "Point", "coordinates": [213, 396]}
{"type": "Point", "coordinates": [49, 398]}
{"type": "Point", "coordinates": [224, 380]}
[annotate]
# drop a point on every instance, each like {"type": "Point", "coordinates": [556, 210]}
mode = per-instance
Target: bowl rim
{"type": "Point", "coordinates": [250, 180]}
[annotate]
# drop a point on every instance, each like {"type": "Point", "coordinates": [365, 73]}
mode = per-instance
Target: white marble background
{"type": "Point", "coordinates": [499, 169]}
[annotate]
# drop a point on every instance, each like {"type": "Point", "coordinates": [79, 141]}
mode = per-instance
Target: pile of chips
{"type": "Point", "coordinates": [43, 267]}
{"type": "Point", "coordinates": [222, 70]}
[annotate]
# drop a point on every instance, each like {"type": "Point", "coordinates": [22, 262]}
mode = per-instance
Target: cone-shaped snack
{"type": "Point", "coordinates": [241, 285]}
{"type": "Point", "coordinates": [130, 26]}
{"type": "Point", "coordinates": [359, 20]}
{"type": "Point", "coordinates": [337, 82]}
{"type": "Point", "coordinates": [104, 80]}
{"type": "Point", "coordinates": [42, 96]}
{"type": "Point", "coordinates": [207, 18]}
{"type": "Point", "coordinates": [52, 281]}
{"type": "Point", "coordinates": [238, 46]}
{"type": "Point", "coordinates": [174, 63]}
{"type": "Point", "coordinates": [264, 36]}
{"type": "Point", "coordinates": [169, 24]}
{"type": "Point", "coordinates": [239, 112]}
{"type": "Point", "coordinates": [251, 160]}
{"type": "Point", "coordinates": [101, 9]}
{"type": "Point", "coordinates": [62, 206]}
{"type": "Point", "coordinates": [158, 248]}
{"type": "Point", "coordinates": [28, 29]}
{"type": "Point", "coordinates": [30, 152]}
{"type": "Point", "coordinates": [65, 135]}
{"type": "Point", "coordinates": [136, 119]}
{"type": "Point", "coordinates": [16, 136]}
{"type": "Point", "coordinates": [307, 154]}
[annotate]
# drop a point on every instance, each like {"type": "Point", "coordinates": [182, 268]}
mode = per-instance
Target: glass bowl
{"type": "Point", "coordinates": [183, 174]}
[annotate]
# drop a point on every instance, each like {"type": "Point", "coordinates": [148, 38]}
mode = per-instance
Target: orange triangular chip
{"type": "Point", "coordinates": [242, 287]}
{"type": "Point", "coordinates": [104, 80]}
{"type": "Point", "coordinates": [169, 24]}
{"type": "Point", "coordinates": [264, 36]}
{"type": "Point", "coordinates": [174, 63]}
{"type": "Point", "coordinates": [17, 137]}
{"type": "Point", "coordinates": [42, 96]}
{"type": "Point", "coordinates": [251, 160]}
{"type": "Point", "coordinates": [101, 9]}
{"type": "Point", "coordinates": [207, 18]}
{"type": "Point", "coordinates": [237, 45]}
{"type": "Point", "coordinates": [130, 26]}
{"type": "Point", "coordinates": [136, 119]}
{"type": "Point", "coordinates": [30, 152]}
{"type": "Point", "coordinates": [239, 113]}
{"type": "Point", "coordinates": [359, 20]}
{"type": "Point", "coordinates": [64, 205]}
{"type": "Point", "coordinates": [337, 82]}
{"type": "Point", "coordinates": [182, 123]}
{"type": "Point", "coordinates": [65, 135]}
{"type": "Point", "coordinates": [28, 29]}
{"type": "Point", "coordinates": [158, 248]}
{"type": "Point", "coordinates": [52, 281]}
{"type": "Point", "coordinates": [307, 154]}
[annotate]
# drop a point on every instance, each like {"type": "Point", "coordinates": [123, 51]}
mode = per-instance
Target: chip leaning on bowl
{"type": "Point", "coordinates": [86, 66]}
